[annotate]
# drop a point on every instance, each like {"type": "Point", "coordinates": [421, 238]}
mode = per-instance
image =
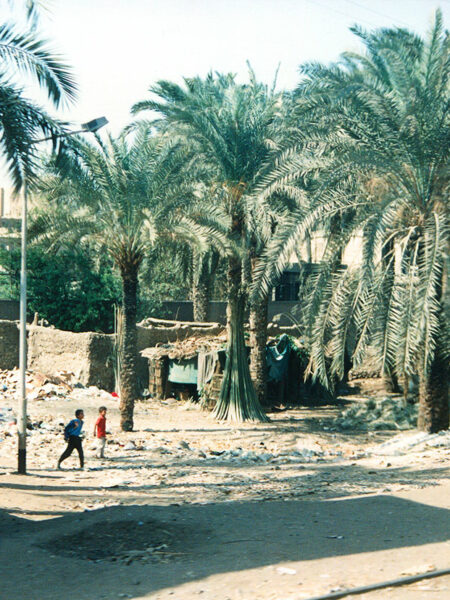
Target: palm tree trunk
{"type": "Point", "coordinates": [237, 401]}
{"type": "Point", "coordinates": [433, 385]}
{"type": "Point", "coordinates": [200, 299]}
{"type": "Point", "coordinates": [204, 268]}
{"type": "Point", "coordinates": [258, 343]}
{"type": "Point", "coordinates": [433, 396]}
{"type": "Point", "coordinates": [391, 383]}
{"type": "Point", "coordinates": [128, 375]}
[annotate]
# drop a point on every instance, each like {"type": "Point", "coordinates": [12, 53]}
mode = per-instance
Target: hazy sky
{"type": "Point", "coordinates": [118, 48]}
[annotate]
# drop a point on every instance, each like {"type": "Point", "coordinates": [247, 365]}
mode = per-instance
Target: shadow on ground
{"type": "Point", "coordinates": [196, 541]}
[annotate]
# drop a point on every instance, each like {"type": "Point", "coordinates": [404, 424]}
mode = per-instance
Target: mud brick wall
{"type": "Point", "coordinates": [151, 336]}
{"type": "Point", "coordinates": [9, 344]}
{"type": "Point", "coordinates": [88, 355]}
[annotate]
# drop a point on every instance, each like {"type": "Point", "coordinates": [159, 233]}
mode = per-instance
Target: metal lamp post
{"type": "Point", "coordinates": [90, 127]}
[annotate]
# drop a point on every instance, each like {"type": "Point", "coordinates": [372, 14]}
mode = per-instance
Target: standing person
{"type": "Point", "coordinates": [72, 435]}
{"type": "Point", "coordinates": [100, 432]}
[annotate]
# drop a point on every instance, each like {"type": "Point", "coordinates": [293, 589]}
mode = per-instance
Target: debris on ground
{"type": "Point", "coordinates": [389, 413]}
{"type": "Point", "coordinates": [201, 460]}
{"type": "Point", "coordinates": [121, 541]}
{"type": "Point", "coordinates": [419, 441]}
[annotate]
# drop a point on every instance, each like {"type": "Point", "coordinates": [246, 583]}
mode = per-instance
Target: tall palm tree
{"type": "Point", "coordinates": [236, 130]}
{"type": "Point", "coordinates": [21, 120]}
{"type": "Point", "coordinates": [116, 193]}
{"type": "Point", "coordinates": [379, 125]}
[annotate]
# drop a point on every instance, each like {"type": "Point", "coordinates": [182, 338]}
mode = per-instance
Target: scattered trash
{"type": "Point", "coordinates": [403, 443]}
{"type": "Point", "coordinates": [307, 450]}
{"type": "Point", "coordinates": [286, 571]}
{"type": "Point", "coordinates": [420, 569]}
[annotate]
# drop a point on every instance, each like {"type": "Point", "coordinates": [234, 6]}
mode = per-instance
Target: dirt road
{"type": "Point", "coordinates": [187, 508]}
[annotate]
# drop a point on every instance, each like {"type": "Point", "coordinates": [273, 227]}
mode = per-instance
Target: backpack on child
{"type": "Point", "coordinates": [68, 430]}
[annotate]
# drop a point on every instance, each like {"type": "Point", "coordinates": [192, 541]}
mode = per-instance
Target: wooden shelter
{"type": "Point", "coordinates": [186, 368]}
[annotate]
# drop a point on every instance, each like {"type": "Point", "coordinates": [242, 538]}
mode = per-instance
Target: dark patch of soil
{"type": "Point", "coordinates": [121, 540]}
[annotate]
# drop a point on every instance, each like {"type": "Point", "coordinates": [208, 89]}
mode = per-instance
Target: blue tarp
{"type": "Point", "coordinates": [186, 371]}
{"type": "Point", "coordinates": [183, 371]}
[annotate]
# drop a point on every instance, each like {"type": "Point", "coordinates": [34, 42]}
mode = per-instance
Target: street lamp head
{"type": "Point", "coordinates": [95, 124]}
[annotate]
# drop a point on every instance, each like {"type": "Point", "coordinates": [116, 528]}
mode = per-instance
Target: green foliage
{"type": "Point", "coordinates": [241, 168]}
{"type": "Point", "coordinates": [379, 138]}
{"type": "Point", "coordinates": [66, 289]}
{"type": "Point", "coordinates": [21, 121]}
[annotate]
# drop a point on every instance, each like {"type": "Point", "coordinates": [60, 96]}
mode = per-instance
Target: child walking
{"type": "Point", "coordinates": [72, 435]}
{"type": "Point", "coordinates": [100, 432]}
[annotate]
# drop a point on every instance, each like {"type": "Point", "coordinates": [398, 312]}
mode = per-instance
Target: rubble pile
{"type": "Point", "coordinates": [39, 386]}
{"type": "Point", "coordinates": [46, 429]}
{"type": "Point", "coordinates": [370, 367]}
{"type": "Point", "coordinates": [183, 455]}
{"type": "Point", "coordinates": [389, 413]}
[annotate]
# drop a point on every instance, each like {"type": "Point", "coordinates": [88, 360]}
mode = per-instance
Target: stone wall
{"type": "Point", "coordinates": [87, 355]}
{"type": "Point", "coordinates": [9, 344]}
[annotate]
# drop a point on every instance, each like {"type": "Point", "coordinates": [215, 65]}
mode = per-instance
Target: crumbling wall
{"type": "Point", "coordinates": [90, 355]}
{"type": "Point", "coordinates": [87, 355]}
{"type": "Point", "coordinates": [151, 336]}
{"type": "Point", "coordinates": [9, 344]}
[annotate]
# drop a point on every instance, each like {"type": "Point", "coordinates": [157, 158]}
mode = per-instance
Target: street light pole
{"type": "Point", "coordinates": [22, 412]}
{"type": "Point", "coordinates": [92, 127]}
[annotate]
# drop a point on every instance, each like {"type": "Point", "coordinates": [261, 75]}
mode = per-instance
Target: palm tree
{"type": "Point", "coordinates": [236, 130]}
{"type": "Point", "coordinates": [117, 194]}
{"type": "Point", "coordinates": [22, 121]}
{"type": "Point", "coordinates": [379, 131]}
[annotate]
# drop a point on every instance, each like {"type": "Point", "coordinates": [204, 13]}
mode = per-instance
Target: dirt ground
{"type": "Point", "coordinates": [186, 508]}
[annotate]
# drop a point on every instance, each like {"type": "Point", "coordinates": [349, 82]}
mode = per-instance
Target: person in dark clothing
{"type": "Point", "coordinates": [72, 435]}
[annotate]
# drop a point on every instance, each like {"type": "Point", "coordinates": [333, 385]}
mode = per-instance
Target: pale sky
{"type": "Point", "coordinates": [118, 48]}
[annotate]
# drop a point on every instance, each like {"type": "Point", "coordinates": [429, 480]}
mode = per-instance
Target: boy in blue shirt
{"type": "Point", "coordinates": [72, 435]}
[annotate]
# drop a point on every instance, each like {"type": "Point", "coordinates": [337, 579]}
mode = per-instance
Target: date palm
{"type": "Point", "coordinates": [23, 53]}
{"type": "Point", "coordinates": [380, 133]}
{"type": "Point", "coordinates": [236, 131]}
{"type": "Point", "coordinates": [119, 195]}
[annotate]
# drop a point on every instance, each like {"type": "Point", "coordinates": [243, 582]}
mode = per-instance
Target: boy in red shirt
{"type": "Point", "coordinates": [100, 432]}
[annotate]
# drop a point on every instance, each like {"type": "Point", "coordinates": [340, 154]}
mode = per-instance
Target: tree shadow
{"type": "Point", "coordinates": [202, 540]}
